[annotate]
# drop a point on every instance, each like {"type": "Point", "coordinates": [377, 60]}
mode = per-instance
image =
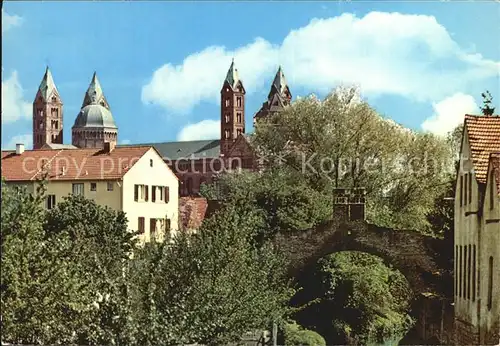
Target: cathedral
{"type": "Point", "coordinates": [194, 162]}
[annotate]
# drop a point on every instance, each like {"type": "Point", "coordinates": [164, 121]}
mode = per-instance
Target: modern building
{"type": "Point", "coordinates": [477, 233]}
{"type": "Point", "coordinates": [132, 179]}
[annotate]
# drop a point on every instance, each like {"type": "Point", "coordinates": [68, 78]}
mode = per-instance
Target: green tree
{"type": "Point", "coordinates": [360, 300]}
{"type": "Point", "coordinates": [210, 287]}
{"type": "Point", "coordinates": [279, 199]}
{"type": "Point", "coordinates": [343, 142]}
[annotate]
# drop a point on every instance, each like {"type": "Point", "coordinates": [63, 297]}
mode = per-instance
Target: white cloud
{"type": "Point", "coordinates": [10, 21]}
{"type": "Point", "coordinates": [205, 129]}
{"type": "Point", "coordinates": [26, 139]}
{"type": "Point", "coordinates": [419, 60]}
{"type": "Point", "coordinates": [449, 113]}
{"type": "Point", "coordinates": [14, 107]}
{"type": "Point", "coordinates": [125, 141]}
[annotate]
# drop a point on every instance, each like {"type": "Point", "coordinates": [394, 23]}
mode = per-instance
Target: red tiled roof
{"type": "Point", "coordinates": [70, 164]}
{"type": "Point", "coordinates": [495, 162]}
{"type": "Point", "coordinates": [484, 138]}
{"type": "Point", "coordinates": [192, 211]}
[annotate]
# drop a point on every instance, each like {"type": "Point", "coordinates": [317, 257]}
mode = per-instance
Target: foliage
{"type": "Point", "coordinates": [342, 142]}
{"type": "Point", "coordinates": [487, 101]}
{"type": "Point", "coordinates": [360, 299]}
{"type": "Point", "coordinates": [278, 200]}
{"type": "Point", "coordinates": [295, 335]}
{"type": "Point", "coordinates": [208, 288]}
{"type": "Point", "coordinates": [62, 270]}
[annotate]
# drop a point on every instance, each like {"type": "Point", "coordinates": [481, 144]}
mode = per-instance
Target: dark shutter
{"type": "Point", "coordinates": [141, 224]}
{"type": "Point", "coordinates": [146, 189]}
{"type": "Point", "coordinates": [153, 193]}
{"type": "Point", "coordinates": [136, 193]}
{"type": "Point", "coordinates": [167, 194]}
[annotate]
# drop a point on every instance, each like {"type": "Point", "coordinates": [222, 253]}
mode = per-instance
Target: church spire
{"type": "Point", "coordinates": [94, 94]}
{"type": "Point", "coordinates": [232, 75]}
{"type": "Point", "coordinates": [47, 85]}
{"type": "Point", "coordinates": [280, 86]}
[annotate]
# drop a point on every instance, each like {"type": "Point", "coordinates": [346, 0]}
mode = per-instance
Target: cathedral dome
{"type": "Point", "coordinates": [95, 115]}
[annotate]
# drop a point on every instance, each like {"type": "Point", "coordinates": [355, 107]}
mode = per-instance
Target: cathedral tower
{"type": "Point", "coordinates": [232, 109]}
{"type": "Point", "coordinates": [279, 97]}
{"type": "Point", "coordinates": [47, 113]}
{"type": "Point", "coordinates": [94, 126]}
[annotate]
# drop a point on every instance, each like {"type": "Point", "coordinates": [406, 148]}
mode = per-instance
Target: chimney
{"type": "Point", "coordinates": [19, 148]}
{"type": "Point", "coordinates": [109, 146]}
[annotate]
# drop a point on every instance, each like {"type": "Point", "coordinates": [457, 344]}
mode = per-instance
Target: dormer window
{"type": "Point", "coordinates": [54, 99]}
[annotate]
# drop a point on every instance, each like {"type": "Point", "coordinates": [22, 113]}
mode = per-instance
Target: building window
{"type": "Point", "coordinates": [141, 225]}
{"type": "Point", "coordinates": [238, 117]}
{"type": "Point", "coordinates": [473, 272]}
{"type": "Point", "coordinates": [151, 163]}
{"type": "Point", "coordinates": [239, 132]}
{"type": "Point", "coordinates": [227, 134]}
{"type": "Point", "coordinates": [227, 118]}
{"type": "Point", "coordinates": [464, 271]}
{"type": "Point", "coordinates": [141, 193]}
{"type": "Point", "coordinates": [469, 267]}
{"type": "Point", "coordinates": [490, 282]}
{"type": "Point", "coordinates": [470, 188]}
{"type": "Point", "coordinates": [78, 189]}
{"type": "Point", "coordinates": [110, 186]}
{"type": "Point", "coordinates": [456, 270]}
{"type": "Point", "coordinates": [228, 102]}
{"type": "Point", "coordinates": [168, 225]}
{"type": "Point", "coordinates": [238, 101]}
{"type": "Point", "coordinates": [465, 189]}
{"type": "Point", "coordinates": [152, 228]}
{"type": "Point", "coordinates": [93, 186]}
{"type": "Point", "coordinates": [460, 272]}
{"type": "Point", "coordinates": [51, 201]}
{"type": "Point", "coordinates": [461, 189]}
{"type": "Point", "coordinates": [492, 194]}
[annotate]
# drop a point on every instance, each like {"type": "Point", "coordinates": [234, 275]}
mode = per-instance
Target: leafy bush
{"type": "Point", "coordinates": [295, 335]}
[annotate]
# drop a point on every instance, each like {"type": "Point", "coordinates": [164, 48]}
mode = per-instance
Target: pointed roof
{"type": "Point", "coordinates": [47, 85]}
{"type": "Point", "coordinates": [232, 75]}
{"type": "Point", "coordinates": [94, 94]}
{"type": "Point", "coordinates": [280, 80]}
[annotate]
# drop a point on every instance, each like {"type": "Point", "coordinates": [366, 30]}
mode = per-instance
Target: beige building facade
{"type": "Point", "coordinates": [134, 180]}
{"type": "Point", "coordinates": [477, 233]}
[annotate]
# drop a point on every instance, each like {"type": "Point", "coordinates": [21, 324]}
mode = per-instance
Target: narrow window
{"type": "Point", "coordinates": [167, 194]}
{"type": "Point", "coordinates": [146, 191]}
{"type": "Point", "coordinates": [228, 118]}
{"type": "Point", "coordinates": [136, 193]}
{"type": "Point", "coordinates": [151, 163]}
{"type": "Point", "coordinates": [152, 228]}
{"type": "Point", "coordinates": [464, 271]}
{"type": "Point", "coordinates": [465, 189]}
{"type": "Point", "coordinates": [456, 270]}
{"type": "Point", "coordinates": [167, 225]}
{"type": "Point", "coordinates": [110, 186]}
{"type": "Point", "coordinates": [470, 188]}
{"type": "Point", "coordinates": [153, 193]}
{"type": "Point", "coordinates": [238, 101]}
{"type": "Point", "coordinates": [141, 225]}
{"type": "Point", "coordinates": [78, 189]}
{"type": "Point", "coordinates": [460, 276]}
{"type": "Point", "coordinates": [490, 283]}
{"type": "Point", "coordinates": [227, 134]}
{"type": "Point", "coordinates": [469, 267]}
{"type": "Point", "coordinates": [238, 117]}
{"type": "Point", "coordinates": [461, 189]}
{"type": "Point", "coordinates": [51, 201]}
{"type": "Point", "coordinates": [93, 186]}
{"type": "Point", "coordinates": [228, 102]}
{"type": "Point", "coordinates": [473, 272]}
{"type": "Point", "coordinates": [492, 194]}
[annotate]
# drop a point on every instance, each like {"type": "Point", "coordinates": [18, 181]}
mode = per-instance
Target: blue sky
{"type": "Point", "coordinates": [162, 64]}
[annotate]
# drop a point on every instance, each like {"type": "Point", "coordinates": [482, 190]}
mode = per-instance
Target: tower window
{"type": "Point", "coordinates": [54, 112]}
{"type": "Point", "coordinates": [238, 132]}
{"type": "Point", "coordinates": [228, 118]}
{"type": "Point", "coordinates": [227, 134]}
{"type": "Point", "coordinates": [238, 101]}
{"type": "Point", "coordinates": [227, 102]}
{"type": "Point", "coordinates": [238, 117]}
